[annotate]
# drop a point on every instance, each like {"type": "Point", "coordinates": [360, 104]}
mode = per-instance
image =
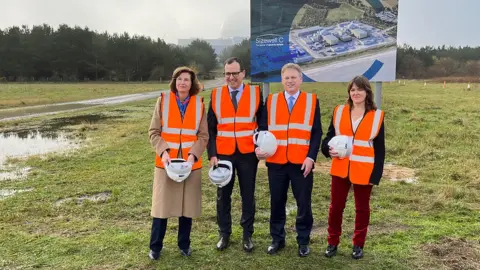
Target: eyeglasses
{"type": "Point", "coordinates": [234, 74]}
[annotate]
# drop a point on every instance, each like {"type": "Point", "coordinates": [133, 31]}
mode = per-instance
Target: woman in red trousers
{"type": "Point", "coordinates": [361, 121]}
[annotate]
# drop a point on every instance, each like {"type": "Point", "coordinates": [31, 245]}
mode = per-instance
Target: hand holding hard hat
{"type": "Point", "coordinates": [267, 144]}
{"type": "Point", "coordinates": [178, 169]}
{"type": "Point", "coordinates": [191, 159]}
{"type": "Point", "coordinates": [261, 154]}
{"type": "Point", "coordinates": [221, 174]}
{"type": "Point", "coordinates": [340, 146]}
{"type": "Point", "coordinates": [165, 158]}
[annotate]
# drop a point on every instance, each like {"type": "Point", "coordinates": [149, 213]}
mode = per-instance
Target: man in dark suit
{"type": "Point", "coordinates": [233, 116]}
{"type": "Point", "coordinates": [293, 116]}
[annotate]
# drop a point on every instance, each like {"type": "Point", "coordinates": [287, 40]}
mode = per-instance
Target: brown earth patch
{"type": "Point", "coordinates": [455, 253]}
{"type": "Point", "coordinates": [99, 197]}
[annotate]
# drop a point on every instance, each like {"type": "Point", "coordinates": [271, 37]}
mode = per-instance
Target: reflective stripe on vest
{"type": "Point", "coordinates": [292, 129]}
{"type": "Point", "coordinates": [359, 165]}
{"type": "Point", "coordinates": [232, 120]}
{"type": "Point", "coordinates": [235, 128]}
{"type": "Point", "coordinates": [165, 116]}
{"type": "Point", "coordinates": [293, 141]}
{"type": "Point", "coordinates": [305, 126]}
{"type": "Point", "coordinates": [180, 133]}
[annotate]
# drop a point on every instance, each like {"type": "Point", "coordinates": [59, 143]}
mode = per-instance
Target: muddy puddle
{"type": "Point", "coordinates": [53, 135]}
{"type": "Point", "coordinates": [22, 144]}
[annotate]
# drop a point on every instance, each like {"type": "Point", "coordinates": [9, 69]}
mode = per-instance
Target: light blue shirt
{"type": "Point", "coordinates": [295, 96]}
{"type": "Point", "coordinates": [240, 91]}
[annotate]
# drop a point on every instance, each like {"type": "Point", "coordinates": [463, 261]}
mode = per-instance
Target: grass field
{"type": "Point", "coordinates": [19, 94]}
{"type": "Point", "coordinates": [343, 13]}
{"type": "Point", "coordinates": [432, 224]}
{"type": "Point", "coordinates": [298, 17]}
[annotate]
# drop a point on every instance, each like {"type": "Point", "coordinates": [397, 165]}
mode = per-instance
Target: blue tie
{"type": "Point", "coordinates": [290, 103]}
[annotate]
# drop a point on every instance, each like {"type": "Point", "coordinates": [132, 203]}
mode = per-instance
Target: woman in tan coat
{"type": "Point", "coordinates": [178, 130]}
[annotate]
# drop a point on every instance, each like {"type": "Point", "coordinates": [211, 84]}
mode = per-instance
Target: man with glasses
{"type": "Point", "coordinates": [232, 119]}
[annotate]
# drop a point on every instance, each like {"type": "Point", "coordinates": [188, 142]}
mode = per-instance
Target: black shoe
{"type": "Point", "coordinates": [331, 251]}
{"type": "Point", "coordinates": [357, 252]}
{"type": "Point", "coordinates": [154, 255]}
{"type": "Point", "coordinates": [303, 250]}
{"type": "Point", "coordinates": [247, 244]}
{"type": "Point", "coordinates": [186, 252]}
{"type": "Point", "coordinates": [223, 243]}
{"type": "Point", "coordinates": [274, 247]}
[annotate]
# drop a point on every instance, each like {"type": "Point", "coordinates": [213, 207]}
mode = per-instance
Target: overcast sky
{"type": "Point", "coordinates": [421, 22]}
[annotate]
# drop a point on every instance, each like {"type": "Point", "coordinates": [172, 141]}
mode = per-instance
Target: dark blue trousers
{"type": "Point", "coordinates": [279, 179]}
{"type": "Point", "coordinates": [159, 227]}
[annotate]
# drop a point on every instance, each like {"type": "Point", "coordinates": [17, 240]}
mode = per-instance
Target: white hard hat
{"type": "Point", "coordinates": [342, 145]}
{"type": "Point", "coordinates": [222, 174]}
{"type": "Point", "coordinates": [178, 169]}
{"type": "Point", "coordinates": [266, 141]}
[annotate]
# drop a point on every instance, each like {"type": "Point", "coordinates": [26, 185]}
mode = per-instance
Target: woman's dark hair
{"type": "Point", "coordinates": [362, 83]}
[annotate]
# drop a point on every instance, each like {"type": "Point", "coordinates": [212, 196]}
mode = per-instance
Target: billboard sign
{"type": "Point", "coordinates": [332, 40]}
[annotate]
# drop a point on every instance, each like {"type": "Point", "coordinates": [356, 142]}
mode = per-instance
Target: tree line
{"type": "Point", "coordinates": [80, 54]}
{"type": "Point", "coordinates": [434, 62]}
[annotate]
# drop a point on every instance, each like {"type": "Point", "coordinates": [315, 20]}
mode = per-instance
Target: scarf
{"type": "Point", "coordinates": [182, 105]}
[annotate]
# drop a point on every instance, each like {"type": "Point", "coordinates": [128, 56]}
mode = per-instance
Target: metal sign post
{"type": "Point", "coordinates": [378, 94]}
{"type": "Point", "coordinates": [266, 90]}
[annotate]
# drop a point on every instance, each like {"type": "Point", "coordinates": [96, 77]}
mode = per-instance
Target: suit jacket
{"type": "Point", "coordinates": [213, 122]}
{"type": "Point", "coordinates": [315, 135]}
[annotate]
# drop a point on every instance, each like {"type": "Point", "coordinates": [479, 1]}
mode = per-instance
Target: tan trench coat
{"type": "Point", "coordinates": [172, 199]}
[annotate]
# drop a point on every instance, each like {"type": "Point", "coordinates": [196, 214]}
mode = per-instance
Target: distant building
{"type": "Point", "coordinates": [346, 38]}
{"type": "Point", "coordinates": [330, 39]}
{"type": "Point", "coordinates": [359, 33]}
{"type": "Point", "coordinates": [368, 41]}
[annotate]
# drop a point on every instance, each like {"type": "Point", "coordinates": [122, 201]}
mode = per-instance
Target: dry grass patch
{"type": "Point", "coordinates": [455, 253]}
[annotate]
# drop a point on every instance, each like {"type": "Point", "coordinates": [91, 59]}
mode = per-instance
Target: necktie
{"type": "Point", "coordinates": [290, 103]}
{"type": "Point", "coordinates": [234, 99]}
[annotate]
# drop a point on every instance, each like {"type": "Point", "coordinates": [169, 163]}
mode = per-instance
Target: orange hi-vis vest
{"type": "Point", "coordinates": [359, 165]}
{"type": "Point", "coordinates": [180, 134]}
{"type": "Point", "coordinates": [292, 130]}
{"type": "Point", "coordinates": [235, 128]}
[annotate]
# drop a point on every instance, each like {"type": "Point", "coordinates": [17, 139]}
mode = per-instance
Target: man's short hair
{"type": "Point", "coordinates": [292, 66]}
{"type": "Point", "coordinates": [233, 60]}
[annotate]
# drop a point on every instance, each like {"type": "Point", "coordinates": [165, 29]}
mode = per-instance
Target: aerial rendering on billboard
{"type": "Point", "coordinates": [333, 40]}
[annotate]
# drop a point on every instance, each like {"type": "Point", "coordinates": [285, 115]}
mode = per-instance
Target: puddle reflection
{"type": "Point", "coordinates": [27, 143]}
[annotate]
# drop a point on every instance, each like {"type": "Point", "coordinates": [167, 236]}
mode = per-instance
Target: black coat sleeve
{"type": "Point", "coordinates": [328, 137]}
{"type": "Point", "coordinates": [212, 131]}
{"type": "Point", "coordinates": [379, 150]}
{"type": "Point", "coordinates": [316, 134]}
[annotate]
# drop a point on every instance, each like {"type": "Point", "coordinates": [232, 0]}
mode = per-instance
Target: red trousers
{"type": "Point", "coordinates": [338, 199]}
